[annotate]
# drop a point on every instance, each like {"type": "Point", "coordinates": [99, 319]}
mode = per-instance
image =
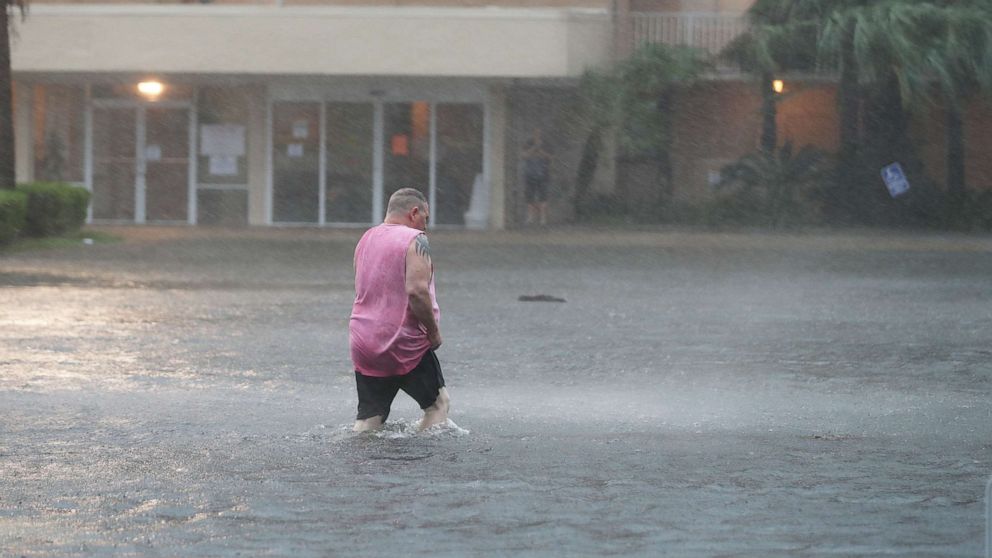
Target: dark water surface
{"type": "Point", "coordinates": [189, 393]}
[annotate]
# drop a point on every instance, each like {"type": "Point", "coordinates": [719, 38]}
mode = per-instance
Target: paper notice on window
{"type": "Point", "coordinates": [222, 139]}
{"type": "Point", "coordinates": [301, 129]}
{"type": "Point", "coordinates": [153, 152]}
{"type": "Point", "coordinates": [223, 165]}
{"type": "Point", "coordinates": [294, 150]}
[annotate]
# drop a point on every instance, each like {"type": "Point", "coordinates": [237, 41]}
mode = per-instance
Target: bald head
{"type": "Point", "coordinates": [408, 206]}
{"type": "Point", "coordinates": [405, 199]}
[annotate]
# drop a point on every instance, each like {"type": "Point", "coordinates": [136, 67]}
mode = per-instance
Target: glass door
{"type": "Point", "coordinates": [140, 167]}
{"type": "Point", "coordinates": [295, 162]}
{"type": "Point", "coordinates": [114, 163]}
{"type": "Point", "coordinates": [337, 162]}
{"type": "Point", "coordinates": [348, 183]}
{"type": "Point", "coordinates": [166, 163]}
{"type": "Point", "coordinates": [406, 162]}
{"type": "Point", "coordinates": [461, 196]}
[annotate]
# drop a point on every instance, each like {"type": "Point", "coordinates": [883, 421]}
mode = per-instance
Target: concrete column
{"type": "Point", "coordinates": [621, 29]}
{"type": "Point", "coordinates": [23, 133]}
{"type": "Point", "coordinates": [498, 122]}
{"type": "Point", "coordinates": [258, 157]}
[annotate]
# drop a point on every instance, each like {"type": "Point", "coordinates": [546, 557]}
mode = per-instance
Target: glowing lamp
{"type": "Point", "coordinates": [151, 89]}
{"type": "Point", "coordinates": [778, 85]}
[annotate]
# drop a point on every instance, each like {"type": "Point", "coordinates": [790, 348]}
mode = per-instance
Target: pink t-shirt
{"type": "Point", "coordinates": [386, 338]}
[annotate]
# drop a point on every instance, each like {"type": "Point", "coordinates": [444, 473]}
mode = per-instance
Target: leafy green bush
{"type": "Point", "coordinates": [772, 188]}
{"type": "Point", "coordinates": [972, 212]}
{"type": "Point", "coordinates": [54, 208]}
{"type": "Point", "coordinates": [744, 207]}
{"type": "Point", "coordinates": [13, 208]}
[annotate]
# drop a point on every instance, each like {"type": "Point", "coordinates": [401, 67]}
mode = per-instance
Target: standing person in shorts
{"type": "Point", "coordinates": [394, 322]}
{"type": "Point", "coordinates": [537, 176]}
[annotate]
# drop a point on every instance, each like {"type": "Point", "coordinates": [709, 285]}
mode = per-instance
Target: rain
{"type": "Point", "coordinates": [713, 279]}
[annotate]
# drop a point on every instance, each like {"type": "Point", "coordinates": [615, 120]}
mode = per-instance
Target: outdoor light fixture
{"type": "Point", "coordinates": [778, 85]}
{"type": "Point", "coordinates": [151, 89]}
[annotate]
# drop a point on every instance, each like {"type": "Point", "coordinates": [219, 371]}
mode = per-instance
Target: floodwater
{"type": "Point", "coordinates": [189, 393]}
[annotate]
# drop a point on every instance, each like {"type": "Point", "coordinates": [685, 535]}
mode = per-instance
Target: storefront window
{"type": "Point", "coordinates": [296, 162]}
{"type": "Point", "coordinates": [349, 162]}
{"type": "Point", "coordinates": [114, 163]}
{"type": "Point", "coordinates": [407, 147]}
{"type": "Point", "coordinates": [59, 129]}
{"type": "Point", "coordinates": [222, 155]}
{"type": "Point", "coordinates": [459, 163]}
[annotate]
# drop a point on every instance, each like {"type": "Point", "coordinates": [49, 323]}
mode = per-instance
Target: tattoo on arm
{"type": "Point", "coordinates": [423, 247]}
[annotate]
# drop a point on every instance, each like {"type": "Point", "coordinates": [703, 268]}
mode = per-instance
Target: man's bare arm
{"type": "Point", "coordinates": [418, 279]}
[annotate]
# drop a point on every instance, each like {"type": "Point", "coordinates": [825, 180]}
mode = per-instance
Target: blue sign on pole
{"type": "Point", "coordinates": [895, 180]}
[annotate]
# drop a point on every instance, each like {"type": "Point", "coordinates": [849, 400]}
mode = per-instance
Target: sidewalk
{"type": "Point", "coordinates": [659, 237]}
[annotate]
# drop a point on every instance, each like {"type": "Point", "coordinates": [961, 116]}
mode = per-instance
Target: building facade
{"type": "Point", "coordinates": [290, 113]}
{"type": "Point", "coordinates": [311, 112]}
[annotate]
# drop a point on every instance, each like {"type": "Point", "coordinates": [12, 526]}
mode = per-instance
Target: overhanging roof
{"type": "Point", "coordinates": [263, 40]}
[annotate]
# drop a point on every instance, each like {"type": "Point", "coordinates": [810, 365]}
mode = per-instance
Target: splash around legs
{"type": "Point", "coordinates": [438, 412]}
{"type": "Point", "coordinates": [433, 415]}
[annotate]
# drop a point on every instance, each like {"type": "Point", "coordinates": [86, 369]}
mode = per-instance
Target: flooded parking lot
{"type": "Point", "coordinates": [189, 393]}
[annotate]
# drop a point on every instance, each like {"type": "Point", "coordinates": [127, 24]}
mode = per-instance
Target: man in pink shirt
{"type": "Point", "coordinates": [394, 322]}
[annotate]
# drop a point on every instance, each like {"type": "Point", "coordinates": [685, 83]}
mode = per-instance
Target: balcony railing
{"type": "Point", "coordinates": [710, 32]}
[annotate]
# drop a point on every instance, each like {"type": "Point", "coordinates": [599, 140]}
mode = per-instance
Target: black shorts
{"type": "Point", "coordinates": [423, 383]}
{"type": "Point", "coordinates": [536, 190]}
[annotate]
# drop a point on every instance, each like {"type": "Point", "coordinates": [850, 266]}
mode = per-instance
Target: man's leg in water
{"type": "Point", "coordinates": [375, 396]}
{"type": "Point", "coordinates": [436, 413]}
{"type": "Point", "coordinates": [371, 423]}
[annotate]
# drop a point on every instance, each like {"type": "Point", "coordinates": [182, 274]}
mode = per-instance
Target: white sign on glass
{"type": "Point", "coordinates": [223, 165]}
{"type": "Point", "coordinates": [222, 139]}
{"type": "Point", "coordinates": [301, 129]}
{"type": "Point", "coordinates": [294, 150]}
{"type": "Point", "coordinates": [153, 152]}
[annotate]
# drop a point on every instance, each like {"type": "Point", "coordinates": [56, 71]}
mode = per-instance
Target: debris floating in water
{"type": "Point", "coordinates": [540, 298]}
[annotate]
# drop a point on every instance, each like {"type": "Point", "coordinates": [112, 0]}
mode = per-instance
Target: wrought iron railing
{"type": "Point", "coordinates": [710, 32]}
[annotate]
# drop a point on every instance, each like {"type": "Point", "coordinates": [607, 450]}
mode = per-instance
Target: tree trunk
{"type": "Point", "coordinates": [587, 170]}
{"type": "Point", "coordinates": [7, 177]}
{"type": "Point", "coordinates": [887, 140]}
{"type": "Point", "coordinates": [955, 154]}
{"type": "Point", "coordinates": [843, 204]}
{"type": "Point", "coordinates": [666, 109]}
{"type": "Point", "coordinates": [848, 104]}
{"type": "Point", "coordinates": [769, 113]}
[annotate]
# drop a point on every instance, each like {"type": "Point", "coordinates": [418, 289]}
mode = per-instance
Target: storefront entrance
{"type": "Point", "coordinates": [141, 160]}
{"type": "Point", "coordinates": [214, 155]}
{"type": "Point", "coordinates": [337, 163]}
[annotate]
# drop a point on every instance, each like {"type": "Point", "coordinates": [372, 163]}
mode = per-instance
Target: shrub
{"type": "Point", "coordinates": [772, 188]}
{"type": "Point", "coordinates": [744, 207]}
{"type": "Point", "coordinates": [13, 208]}
{"type": "Point", "coordinates": [54, 208]}
{"type": "Point", "coordinates": [972, 212]}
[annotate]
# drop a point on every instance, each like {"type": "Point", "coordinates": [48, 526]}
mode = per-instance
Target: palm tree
{"type": "Point", "coordinates": [637, 98]}
{"type": "Point", "coordinates": [780, 38]}
{"type": "Point", "coordinates": [959, 57]}
{"type": "Point", "coordinates": [779, 181]}
{"type": "Point", "coordinates": [893, 55]}
{"type": "Point", "coordinates": [7, 176]}
{"type": "Point", "coordinates": [903, 52]}
{"type": "Point", "coordinates": [650, 83]}
{"type": "Point", "coordinates": [598, 111]}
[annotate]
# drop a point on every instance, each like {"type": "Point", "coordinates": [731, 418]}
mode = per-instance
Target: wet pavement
{"type": "Point", "coordinates": [187, 392]}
